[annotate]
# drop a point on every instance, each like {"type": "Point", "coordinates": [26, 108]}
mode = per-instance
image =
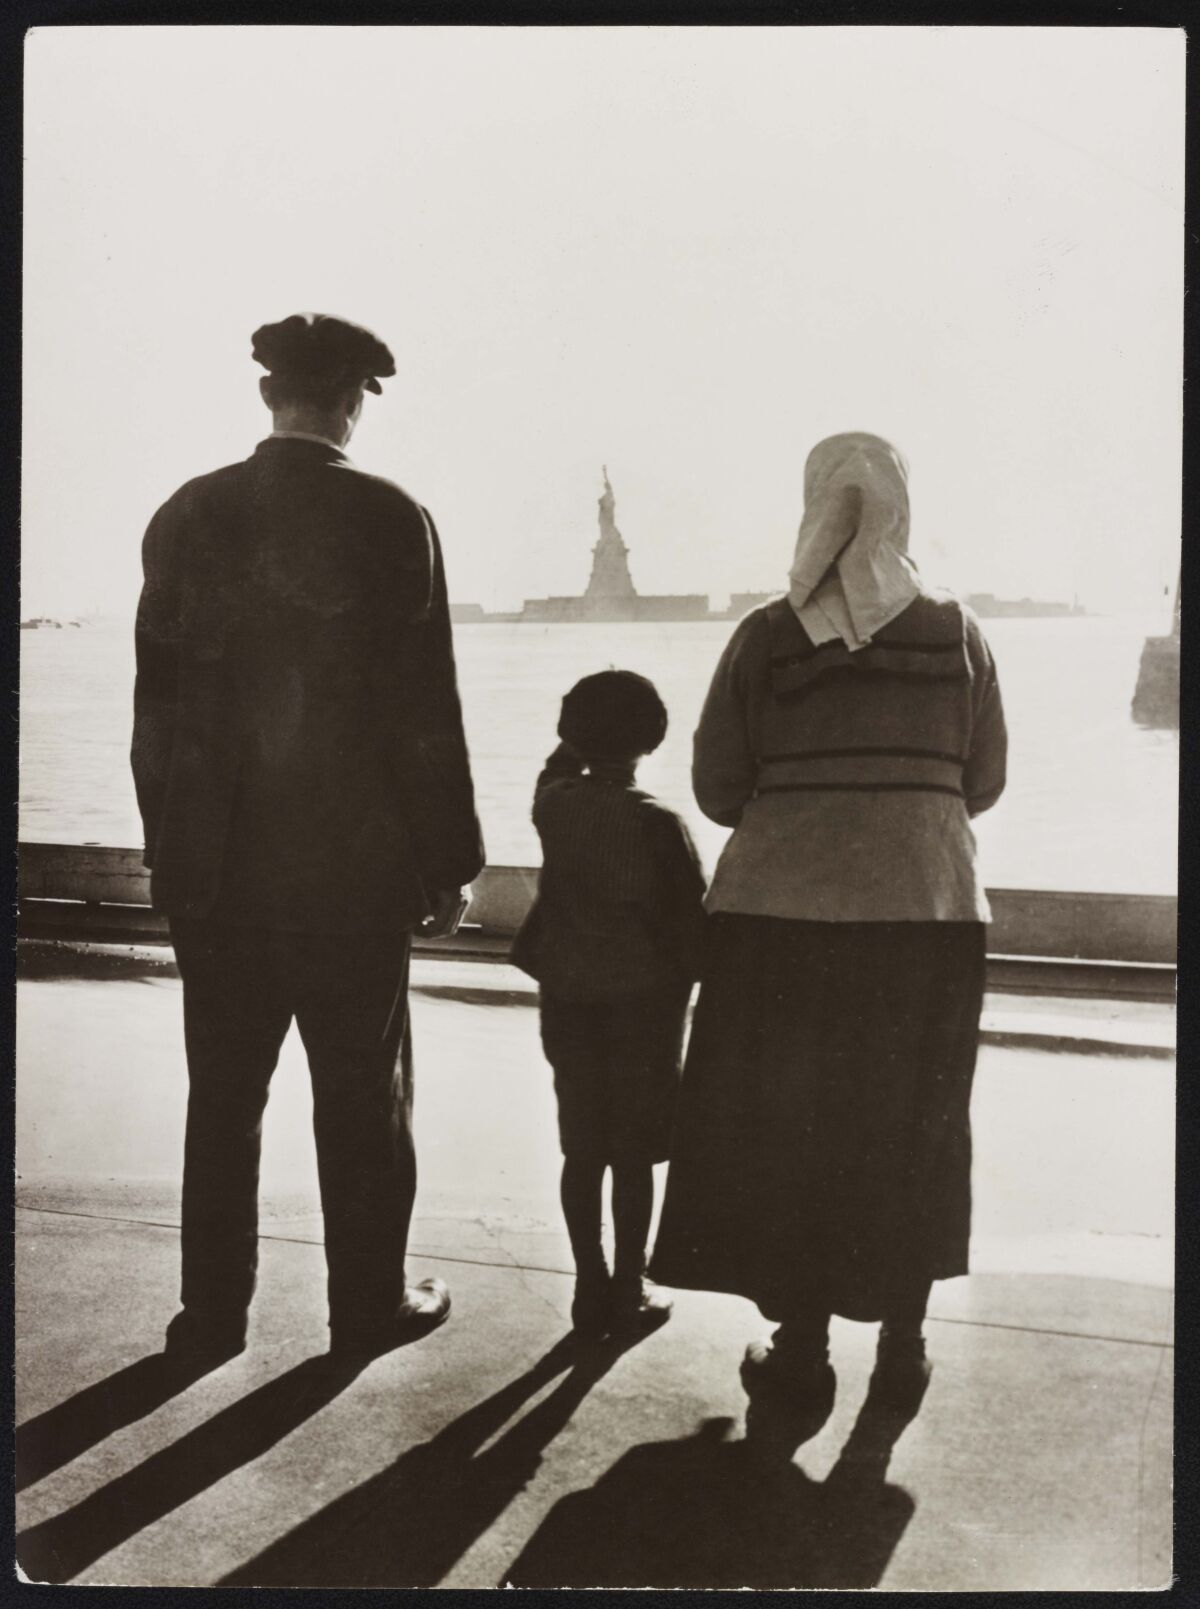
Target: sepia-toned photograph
{"type": "Point", "coordinates": [599, 755]}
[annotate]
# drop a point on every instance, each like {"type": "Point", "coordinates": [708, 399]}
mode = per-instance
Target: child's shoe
{"type": "Point", "coordinates": [592, 1306]}
{"type": "Point", "coordinates": [638, 1306]}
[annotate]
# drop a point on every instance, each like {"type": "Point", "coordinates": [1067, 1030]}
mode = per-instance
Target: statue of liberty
{"type": "Point", "coordinates": [610, 579]}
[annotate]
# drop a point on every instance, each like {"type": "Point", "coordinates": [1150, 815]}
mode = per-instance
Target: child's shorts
{"type": "Point", "coordinates": [616, 1071]}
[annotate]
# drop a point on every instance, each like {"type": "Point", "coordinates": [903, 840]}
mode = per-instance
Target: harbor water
{"type": "Point", "coordinates": [1091, 801]}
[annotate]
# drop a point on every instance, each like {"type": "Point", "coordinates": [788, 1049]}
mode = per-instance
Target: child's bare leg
{"type": "Point", "coordinates": [638, 1305]}
{"type": "Point", "coordinates": [582, 1204]}
{"type": "Point", "coordinates": [581, 1193]}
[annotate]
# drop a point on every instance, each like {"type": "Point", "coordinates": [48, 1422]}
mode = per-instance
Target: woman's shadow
{"type": "Point", "coordinates": [704, 1512]}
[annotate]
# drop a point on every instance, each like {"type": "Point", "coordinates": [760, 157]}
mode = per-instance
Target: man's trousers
{"type": "Point", "coordinates": [348, 993]}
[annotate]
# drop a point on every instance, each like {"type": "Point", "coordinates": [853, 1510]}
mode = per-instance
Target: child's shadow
{"type": "Point", "coordinates": [407, 1525]}
{"type": "Point", "coordinates": [702, 1513]}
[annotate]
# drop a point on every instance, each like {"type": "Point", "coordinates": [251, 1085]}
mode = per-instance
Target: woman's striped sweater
{"type": "Point", "coordinates": [850, 778]}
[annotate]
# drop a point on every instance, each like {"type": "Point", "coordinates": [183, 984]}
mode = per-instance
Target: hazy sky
{"type": "Point", "coordinates": [689, 253]}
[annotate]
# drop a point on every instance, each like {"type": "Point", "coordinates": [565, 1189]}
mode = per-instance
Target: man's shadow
{"type": "Point", "coordinates": [704, 1512]}
{"type": "Point", "coordinates": [407, 1525]}
{"type": "Point", "coordinates": [60, 1547]}
{"type": "Point", "coordinates": [66, 1431]}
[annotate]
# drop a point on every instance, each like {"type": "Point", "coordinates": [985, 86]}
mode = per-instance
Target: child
{"type": "Point", "coordinates": [614, 941]}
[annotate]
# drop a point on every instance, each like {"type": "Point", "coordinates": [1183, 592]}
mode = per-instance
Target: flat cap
{"type": "Point", "coordinates": [318, 344]}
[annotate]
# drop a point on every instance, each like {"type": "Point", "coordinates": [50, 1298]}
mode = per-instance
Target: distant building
{"type": "Point", "coordinates": [989, 607]}
{"type": "Point", "coordinates": [741, 603]}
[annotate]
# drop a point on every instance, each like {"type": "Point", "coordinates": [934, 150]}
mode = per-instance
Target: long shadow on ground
{"type": "Point", "coordinates": [702, 1512]}
{"type": "Point", "coordinates": [64, 1432]}
{"type": "Point", "coordinates": [59, 1548]}
{"type": "Point", "coordinates": [407, 1526]}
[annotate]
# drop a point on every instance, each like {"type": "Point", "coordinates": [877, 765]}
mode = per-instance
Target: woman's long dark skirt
{"type": "Point", "coordinates": [822, 1151]}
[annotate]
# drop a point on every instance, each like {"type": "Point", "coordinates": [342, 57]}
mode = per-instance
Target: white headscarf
{"type": "Point", "coordinates": [851, 575]}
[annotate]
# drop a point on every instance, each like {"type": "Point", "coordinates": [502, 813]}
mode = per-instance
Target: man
{"type": "Point", "coordinates": [304, 785]}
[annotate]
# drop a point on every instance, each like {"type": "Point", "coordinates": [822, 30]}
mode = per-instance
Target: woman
{"type": "Point", "coordinates": [822, 1154]}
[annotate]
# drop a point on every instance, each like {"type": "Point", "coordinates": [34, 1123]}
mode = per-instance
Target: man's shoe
{"type": "Point", "coordinates": [195, 1342]}
{"type": "Point", "coordinates": [425, 1307]}
{"type": "Point", "coordinates": [638, 1306]}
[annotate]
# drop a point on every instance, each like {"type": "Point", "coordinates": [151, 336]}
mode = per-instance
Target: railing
{"type": "Point", "coordinates": [1118, 945]}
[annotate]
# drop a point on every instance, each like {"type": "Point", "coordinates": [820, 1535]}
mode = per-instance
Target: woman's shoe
{"type": "Point", "coordinates": [637, 1307]}
{"type": "Point", "coordinates": [791, 1398]}
{"type": "Point", "coordinates": [901, 1375]}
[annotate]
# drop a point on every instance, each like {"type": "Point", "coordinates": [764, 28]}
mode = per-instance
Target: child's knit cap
{"type": "Point", "coordinates": [615, 714]}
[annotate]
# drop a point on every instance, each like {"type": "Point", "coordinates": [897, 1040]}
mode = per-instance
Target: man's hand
{"type": "Point", "coordinates": [448, 907]}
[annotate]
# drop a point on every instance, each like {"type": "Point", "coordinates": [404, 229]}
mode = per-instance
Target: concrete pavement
{"type": "Point", "coordinates": [1041, 1457]}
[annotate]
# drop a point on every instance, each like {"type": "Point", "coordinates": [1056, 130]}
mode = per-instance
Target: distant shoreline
{"type": "Point", "coordinates": [643, 611]}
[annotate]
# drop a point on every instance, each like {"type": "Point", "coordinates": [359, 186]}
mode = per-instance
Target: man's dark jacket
{"type": "Point", "coordinates": [298, 748]}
